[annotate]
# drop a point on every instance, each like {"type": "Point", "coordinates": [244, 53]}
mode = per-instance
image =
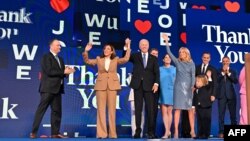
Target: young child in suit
{"type": "Point", "coordinates": [203, 104]}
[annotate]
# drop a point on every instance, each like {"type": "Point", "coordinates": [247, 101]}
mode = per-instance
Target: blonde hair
{"type": "Point", "coordinates": [188, 57]}
{"type": "Point", "coordinates": [203, 79]}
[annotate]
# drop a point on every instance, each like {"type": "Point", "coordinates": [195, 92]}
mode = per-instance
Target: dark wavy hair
{"type": "Point", "coordinates": [52, 40]}
{"type": "Point", "coordinates": [113, 55]}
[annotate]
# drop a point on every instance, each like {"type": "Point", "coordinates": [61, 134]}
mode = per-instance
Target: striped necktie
{"type": "Point", "coordinates": [203, 71]}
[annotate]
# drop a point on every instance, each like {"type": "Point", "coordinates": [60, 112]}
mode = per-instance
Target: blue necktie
{"type": "Point", "coordinates": [144, 60]}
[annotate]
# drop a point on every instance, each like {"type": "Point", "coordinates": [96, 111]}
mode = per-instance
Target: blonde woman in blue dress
{"type": "Point", "coordinates": [167, 78]}
{"type": "Point", "coordinates": [183, 87]}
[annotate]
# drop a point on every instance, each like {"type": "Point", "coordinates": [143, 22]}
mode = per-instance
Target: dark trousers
{"type": "Point", "coordinates": [231, 103]}
{"type": "Point", "coordinates": [156, 108]}
{"type": "Point", "coordinates": [149, 98]}
{"type": "Point", "coordinates": [185, 125]}
{"type": "Point", "coordinates": [55, 103]}
{"type": "Point", "coordinates": [203, 120]}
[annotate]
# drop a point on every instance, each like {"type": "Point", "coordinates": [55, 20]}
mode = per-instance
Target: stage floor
{"type": "Point", "coordinates": [94, 139]}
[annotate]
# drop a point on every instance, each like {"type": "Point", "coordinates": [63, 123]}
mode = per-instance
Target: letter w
{"type": "Point", "coordinates": [94, 19]}
{"type": "Point", "coordinates": [24, 50]}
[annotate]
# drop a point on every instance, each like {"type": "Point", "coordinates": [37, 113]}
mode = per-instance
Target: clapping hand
{"type": "Point", "coordinates": [225, 69]}
{"type": "Point", "coordinates": [69, 70]}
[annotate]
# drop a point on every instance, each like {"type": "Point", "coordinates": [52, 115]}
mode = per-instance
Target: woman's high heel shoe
{"type": "Point", "coordinates": [169, 135]}
{"type": "Point", "coordinates": [166, 136]}
{"type": "Point", "coordinates": [192, 134]}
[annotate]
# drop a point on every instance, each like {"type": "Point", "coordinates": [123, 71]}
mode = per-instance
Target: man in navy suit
{"type": "Point", "coordinates": [51, 87]}
{"type": "Point", "coordinates": [145, 82]}
{"type": "Point", "coordinates": [227, 78]}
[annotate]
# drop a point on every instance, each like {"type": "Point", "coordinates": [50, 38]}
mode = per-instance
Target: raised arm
{"type": "Point", "coordinates": [86, 56]}
{"type": "Point", "coordinates": [174, 59]}
{"type": "Point", "coordinates": [128, 51]}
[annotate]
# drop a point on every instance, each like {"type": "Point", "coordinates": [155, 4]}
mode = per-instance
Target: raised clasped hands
{"type": "Point", "coordinates": [127, 43]}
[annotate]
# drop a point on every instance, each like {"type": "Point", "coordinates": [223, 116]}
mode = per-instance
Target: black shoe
{"type": "Point", "coordinates": [200, 137]}
{"type": "Point", "coordinates": [136, 136]}
{"type": "Point", "coordinates": [137, 133]}
{"type": "Point", "coordinates": [196, 138]}
{"type": "Point", "coordinates": [203, 137]}
{"type": "Point", "coordinates": [152, 136]}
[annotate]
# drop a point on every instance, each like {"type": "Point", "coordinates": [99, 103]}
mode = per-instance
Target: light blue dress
{"type": "Point", "coordinates": [167, 78]}
{"type": "Point", "coordinates": [185, 79]}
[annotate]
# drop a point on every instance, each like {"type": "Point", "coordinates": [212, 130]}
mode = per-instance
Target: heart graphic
{"type": "Point", "coordinates": [59, 5]}
{"type": "Point", "coordinates": [143, 26]}
{"type": "Point", "coordinates": [232, 6]}
{"type": "Point", "coordinates": [183, 37]}
{"type": "Point", "coordinates": [199, 7]}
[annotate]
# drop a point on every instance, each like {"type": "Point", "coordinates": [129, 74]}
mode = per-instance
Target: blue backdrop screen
{"type": "Point", "coordinates": [27, 26]}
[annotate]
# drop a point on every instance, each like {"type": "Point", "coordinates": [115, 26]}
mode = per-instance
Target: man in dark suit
{"type": "Point", "coordinates": [145, 82]}
{"type": "Point", "coordinates": [202, 69]}
{"type": "Point", "coordinates": [227, 78]}
{"type": "Point", "coordinates": [51, 87]}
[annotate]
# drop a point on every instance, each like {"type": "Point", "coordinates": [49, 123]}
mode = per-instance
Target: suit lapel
{"type": "Point", "coordinates": [61, 63]}
{"type": "Point", "coordinates": [55, 61]}
{"type": "Point", "coordinates": [209, 68]}
{"type": "Point", "coordinates": [103, 63]}
{"type": "Point", "coordinates": [199, 69]}
{"type": "Point", "coordinates": [111, 61]}
{"type": "Point", "coordinates": [149, 59]}
{"type": "Point", "coordinates": [140, 58]}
